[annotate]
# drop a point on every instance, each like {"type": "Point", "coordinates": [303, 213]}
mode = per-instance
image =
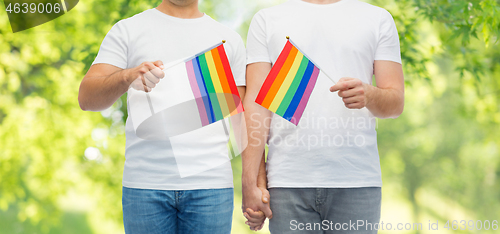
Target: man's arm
{"type": "Point", "coordinates": [386, 100]}
{"type": "Point", "coordinates": [258, 120]}
{"type": "Point", "coordinates": [104, 83]}
{"type": "Point", "coordinates": [262, 176]}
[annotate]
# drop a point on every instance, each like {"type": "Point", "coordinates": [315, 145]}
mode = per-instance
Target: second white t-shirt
{"type": "Point", "coordinates": [332, 146]}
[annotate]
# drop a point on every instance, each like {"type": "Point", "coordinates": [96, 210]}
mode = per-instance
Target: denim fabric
{"type": "Point", "coordinates": [325, 210]}
{"type": "Point", "coordinates": [147, 211]}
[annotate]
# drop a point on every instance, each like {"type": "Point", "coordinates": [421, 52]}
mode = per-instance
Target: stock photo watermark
{"type": "Point", "coordinates": [360, 225]}
{"type": "Point", "coordinates": [26, 14]}
{"type": "Point", "coordinates": [316, 131]}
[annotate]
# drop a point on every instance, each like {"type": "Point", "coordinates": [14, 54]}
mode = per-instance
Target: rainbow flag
{"type": "Point", "coordinates": [289, 84]}
{"type": "Point", "coordinates": [197, 99]}
{"type": "Point", "coordinates": [213, 85]}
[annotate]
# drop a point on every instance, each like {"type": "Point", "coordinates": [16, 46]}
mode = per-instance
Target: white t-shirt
{"type": "Point", "coordinates": [332, 146]}
{"type": "Point", "coordinates": [150, 36]}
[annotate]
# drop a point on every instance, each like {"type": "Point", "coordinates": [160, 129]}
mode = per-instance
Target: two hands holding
{"type": "Point", "coordinates": [256, 206]}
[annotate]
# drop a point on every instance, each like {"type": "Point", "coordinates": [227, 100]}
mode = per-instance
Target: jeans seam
{"type": "Point", "coordinates": [318, 200]}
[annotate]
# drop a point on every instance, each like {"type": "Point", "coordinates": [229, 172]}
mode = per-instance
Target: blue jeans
{"type": "Point", "coordinates": [147, 211]}
{"type": "Point", "coordinates": [325, 210]}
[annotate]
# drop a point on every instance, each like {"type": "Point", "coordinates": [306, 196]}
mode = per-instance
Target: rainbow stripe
{"type": "Point", "coordinates": [213, 86]}
{"type": "Point", "coordinates": [289, 84]}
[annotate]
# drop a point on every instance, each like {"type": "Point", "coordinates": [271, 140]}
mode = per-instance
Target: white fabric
{"type": "Point", "coordinates": [332, 146]}
{"type": "Point", "coordinates": [191, 158]}
{"type": "Point", "coordinates": [150, 36]}
{"type": "Point", "coordinates": [167, 93]}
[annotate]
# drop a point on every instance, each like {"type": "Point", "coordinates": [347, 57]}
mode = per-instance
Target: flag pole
{"type": "Point", "coordinates": [288, 38]}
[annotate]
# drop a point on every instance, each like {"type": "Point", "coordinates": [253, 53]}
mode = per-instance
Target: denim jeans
{"type": "Point", "coordinates": [147, 211]}
{"type": "Point", "coordinates": [325, 210]}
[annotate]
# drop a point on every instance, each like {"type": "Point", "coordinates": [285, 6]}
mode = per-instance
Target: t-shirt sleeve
{"type": "Point", "coordinates": [238, 65]}
{"type": "Point", "coordinates": [388, 44]}
{"type": "Point", "coordinates": [257, 41]}
{"type": "Point", "coordinates": [113, 49]}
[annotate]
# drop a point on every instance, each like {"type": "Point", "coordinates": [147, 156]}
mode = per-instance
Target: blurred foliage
{"type": "Point", "coordinates": [442, 153]}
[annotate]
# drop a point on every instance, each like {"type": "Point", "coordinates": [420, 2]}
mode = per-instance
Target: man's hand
{"type": "Point", "coordinates": [104, 83]}
{"type": "Point", "coordinates": [352, 91]}
{"type": "Point", "coordinates": [145, 76]}
{"type": "Point", "coordinates": [255, 219]}
{"type": "Point", "coordinates": [386, 100]}
{"type": "Point", "coordinates": [256, 207]}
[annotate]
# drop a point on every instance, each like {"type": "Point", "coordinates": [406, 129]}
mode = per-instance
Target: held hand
{"type": "Point", "coordinates": [146, 76]}
{"type": "Point", "coordinates": [255, 219]}
{"type": "Point", "coordinates": [257, 199]}
{"type": "Point", "coordinates": [352, 91]}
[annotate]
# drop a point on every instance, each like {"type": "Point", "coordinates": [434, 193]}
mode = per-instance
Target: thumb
{"type": "Point", "coordinates": [159, 64]}
{"type": "Point", "coordinates": [266, 197]}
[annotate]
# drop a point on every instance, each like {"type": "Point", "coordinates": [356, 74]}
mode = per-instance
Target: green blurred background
{"type": "Point", "coordinates": [61, 168]}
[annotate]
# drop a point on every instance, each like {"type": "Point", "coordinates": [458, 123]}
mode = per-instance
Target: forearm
{"type": "Point", "coordinates": [100, 92]}
{"type": "Point", "coordinates": [384, 102]}
{"type": "Point", "coordinates": [257, 122]}
{"type": "Point", "coordinates": [262, 176]}
{"type": "Point", "coordinates": [251, 157]}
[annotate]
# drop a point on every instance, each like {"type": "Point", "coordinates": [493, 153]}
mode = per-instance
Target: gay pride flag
{"type": "Point", "coordinates": [197, 108]}
{"type": "Point", "coordinates": [289, 84]}
{"type": "Point", "coordinates": [213, 85]}
{"type": "Point", "coordinates": [196, 91]}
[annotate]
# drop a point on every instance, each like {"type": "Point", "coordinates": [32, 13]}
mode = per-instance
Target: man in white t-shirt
{"type": "Point", "coordinates": [156, 198]}
{"type": "Point", "coordinates": [324, 174]}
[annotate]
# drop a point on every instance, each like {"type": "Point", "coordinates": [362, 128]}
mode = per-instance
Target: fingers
{"type": "Point", "coordinates": [351, 92]}
{"type": "Point", "coordinates": [159, 64]}
{"type": "Point", "coordinates": [254, 218]}
{"type": "Point", "coordinates": [156, 69]}
{"type": "Point", "coordinates": [356, 102]}
{"type": "Point", "coordinates": [157, 72]}
{"type": "Point", "coordinates": [151, 73]}
{"type": "Point", "coordinates": [255, 223]}
{"type": "Point", "coordinates": [151, 78]}
{"type": "Point", "coordinates": [267, 211]}
{"type": "Point", "coordinates": [345, 83]}
{"type": "Point", "coordinates": [351, 100]}
{"type": "Point", "coordinates": [254, 215]}
{"type": "Point", "coordinates": [147, 82]}
{"type": "Point", "coordinates": [356, 105]}
{"type": "Point", "coordinates": [257, 227]}
{"type": "Point", "coordinates": [137, 84]}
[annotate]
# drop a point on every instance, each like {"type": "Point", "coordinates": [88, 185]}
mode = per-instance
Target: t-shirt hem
{"type": "Point", "coordinates": [114, 63]}
{"type": "Point", "coordinates": [334, 185]}
{"type": "Point", "coordinates": [397, 60]}
{"type": "Point", "coordinates": [257, 60]}
{"type": "Point", "coordinates": [176, 186]}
